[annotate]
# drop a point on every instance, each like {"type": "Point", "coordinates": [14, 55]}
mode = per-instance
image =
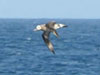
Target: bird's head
{"type": "Point", "coordinates": [38, 27]}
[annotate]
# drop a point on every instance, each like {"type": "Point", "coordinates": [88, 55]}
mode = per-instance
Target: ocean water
{"type": "Point", "coordinates": [23, 52]}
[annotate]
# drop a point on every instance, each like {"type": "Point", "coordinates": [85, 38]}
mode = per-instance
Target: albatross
{"type": "Point", "coordinates": [51, 26]}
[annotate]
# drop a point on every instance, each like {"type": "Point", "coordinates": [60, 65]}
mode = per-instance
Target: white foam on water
{"type": "Point", "coordinates": [29, 38]}
{"type": "Point", "coordinates": [18, 53]}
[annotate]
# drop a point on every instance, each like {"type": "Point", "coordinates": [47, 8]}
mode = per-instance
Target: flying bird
{"type": "Point", "coordinates": [47, 29]}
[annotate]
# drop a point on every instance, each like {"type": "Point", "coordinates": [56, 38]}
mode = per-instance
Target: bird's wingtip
{"type": "Point", "coordinates": [53, 52]}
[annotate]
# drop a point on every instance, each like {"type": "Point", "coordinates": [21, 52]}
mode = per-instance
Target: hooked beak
{"type": "Point", "coordinates": [35, 30]}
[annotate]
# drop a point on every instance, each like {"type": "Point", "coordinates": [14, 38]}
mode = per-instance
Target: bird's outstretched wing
{"type": "Point", "coordinates": [55, 33]}
{"type": "Point", "coordinates": [45, 36]}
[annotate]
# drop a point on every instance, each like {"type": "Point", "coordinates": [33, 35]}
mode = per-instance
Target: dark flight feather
{"type": "Point", "coordinates": [45, 36]}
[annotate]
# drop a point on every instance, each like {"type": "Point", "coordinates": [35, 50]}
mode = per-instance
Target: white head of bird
{"type": "Point", "coordinates": [38, 27]}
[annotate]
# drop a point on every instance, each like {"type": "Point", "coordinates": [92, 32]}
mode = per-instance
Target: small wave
{"type": "Point", "coordinates": [67, 41]}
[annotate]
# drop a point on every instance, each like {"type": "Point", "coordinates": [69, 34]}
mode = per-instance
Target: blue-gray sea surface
{"type": "Point", "coordinates": [23, 52]}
